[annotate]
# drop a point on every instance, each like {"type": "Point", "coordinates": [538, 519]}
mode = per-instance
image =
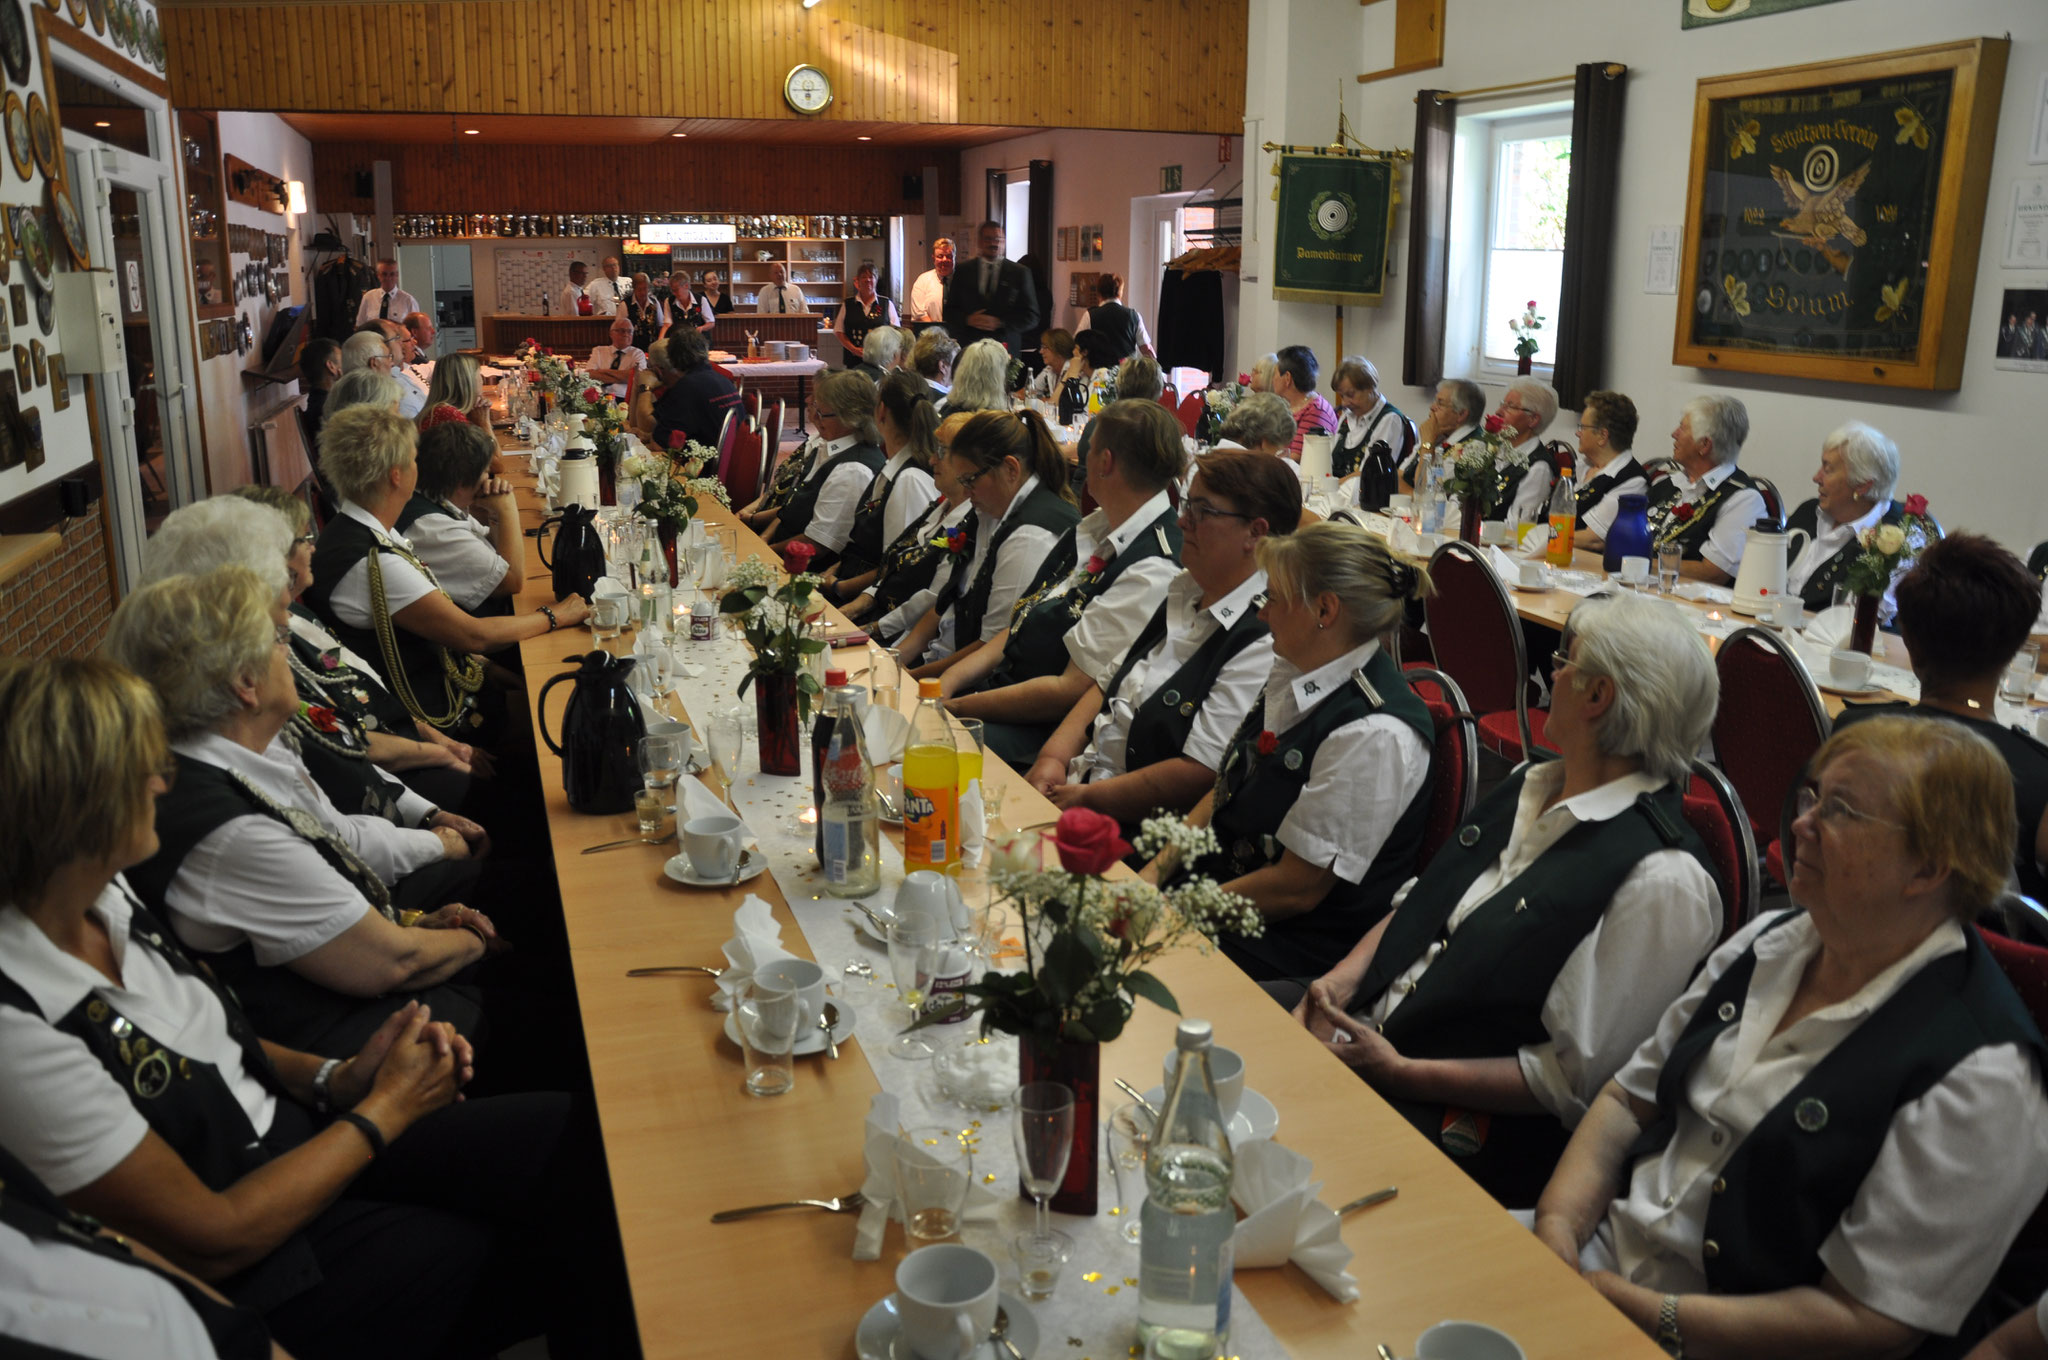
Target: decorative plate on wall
{"type": "Point", "coordinates": [153, 40]}
{"type": "Point", "coordinates": [97, 11]}
{"type": "Point", "coordinates": [69, 226]}
{"type": "Point", "coordinates": [46, 311]}
{"type": "Point", "coordinates": [78, 15]}
{"type": "Point", "coordinates": [42, 135]}
{"type": "Point", "coordinates": [14, 41]}
{"type": "Point", "coordinates": [32, 243]}
{"type": "Point", "coordinates": [20, 149]}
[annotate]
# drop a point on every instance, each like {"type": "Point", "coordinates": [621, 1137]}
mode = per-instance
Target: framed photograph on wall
{"type": "Point", "coordinates": [1834, 215]}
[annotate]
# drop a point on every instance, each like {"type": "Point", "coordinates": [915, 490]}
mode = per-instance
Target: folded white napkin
{"type": "Point", "coordinates": [756, 940]}
{"type": "Point", "coordinates": [973, 825]}
{"type": "Point", "coordinates": [1503, 565]}
{"type": "Point", "coordinates": [1700, 590]}
{"type": "Point", "coordinates": [1537, 539]}
{"type": "Point", "coordinates": [1830, 627]}
{"type": "Point", "coordinates": [885, 732]}
{"type": "Point", "coordinates": [879, 1189]}
{"type": "Point", "coordinates": [1283, 1221]}
{"type": "Point", "coordinates": [610, 585]}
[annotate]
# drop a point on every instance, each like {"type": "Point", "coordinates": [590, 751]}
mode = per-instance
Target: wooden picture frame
{"type": "Point", "coordinates": [60, 384]}
{"type": "Point", "coordinates": [1834, 215]}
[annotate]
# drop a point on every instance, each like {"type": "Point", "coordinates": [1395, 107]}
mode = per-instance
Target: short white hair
{"type": "Point", "coordinates": [223, 531]}
{"type": "Point", "coordinates": [1538, 398]}
{"type": "Point", "coordinates": [981, 378]}
{"type": "Point", "coordinates": [883, 346]}
{"type": "Point", "coordinates": [1722, 420]}
{"type": "Point", "coordinates": [1870, 456]}
{"type": "Point", "coordinates": [362, 349]}
{"type": "Point", "coordinates": [194, 639]}
{"type": "Point", "coordinates": [364, 387]}
{"type": "Point", "coordinates": [1260, 418]}
{"type": "Point", "coordinates": [1665, 685]}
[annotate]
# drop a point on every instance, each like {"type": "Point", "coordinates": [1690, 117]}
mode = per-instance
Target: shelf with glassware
{"type": "Point", "coordinates": [822, 267]}
{"type": "Point", "coordinates": [206, 211]}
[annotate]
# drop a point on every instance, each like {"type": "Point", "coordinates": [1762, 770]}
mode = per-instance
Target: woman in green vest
{"type": "Point", "coordinates": [1543, 942]}
{"type": "Point", "coordinates": [821, 510]}
{"type": "Point", "coordinates": [1835, 1134]}
{"type": "Point", "coordinates": [1094, 594]}
{"type": "Point", "coordinates": [1320, 805]}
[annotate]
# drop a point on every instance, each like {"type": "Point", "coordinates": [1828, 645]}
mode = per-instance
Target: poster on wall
{"type": "Point", "coordinates": [2022, 344]}
{"type": "Point", "coordinates": [1701, 13]}
{"type": "Point", "coordinates": [1336, 214]}
{"type": "Point", "coordinates": [1834, 216]}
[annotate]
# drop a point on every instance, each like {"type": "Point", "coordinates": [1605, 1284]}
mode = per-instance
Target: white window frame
{"type": "Point", "coordinates": [1475, 178]}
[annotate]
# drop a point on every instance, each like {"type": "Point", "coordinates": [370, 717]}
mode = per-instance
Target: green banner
{"type": "Point", "coordinates": [1336, 217]}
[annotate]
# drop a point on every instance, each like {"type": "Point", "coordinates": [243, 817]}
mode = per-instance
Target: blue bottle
{"type": "Point", "coordinates": [1629, 535]}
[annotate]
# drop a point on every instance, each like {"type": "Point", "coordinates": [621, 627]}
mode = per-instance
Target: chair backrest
{"type": "Point", "coordinates": [751, 404]}
{"type": "Point", "coordinates": [1476, 635]}
{"type": "Point", "coordinates": [1191, 416]}
{"type": "Point", "coordinates": [1714, 809]}
{"type": "Point", "coordinates": [1771, 719]}
{"type": "Point", "coordinates": [725, 433]}
{"type": "Point", "coordinates": [771, 437]}
{"type": "Point", "coordinates": [1658, 469]}
{"type": "Point", "coordinates": [740, 470]}
{"type": "Point", "coordinates": [1455, 778]}
{"type": "Point", "coordinates": [1774, 504]}
{"type": "Point", "coordinates": [2025, 966]}
{"type": "Point", "coordinates": [1169, 398]}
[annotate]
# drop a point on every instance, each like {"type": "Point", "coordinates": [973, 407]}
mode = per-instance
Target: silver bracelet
{"type": "Point", "coordinates": [323, 1101]}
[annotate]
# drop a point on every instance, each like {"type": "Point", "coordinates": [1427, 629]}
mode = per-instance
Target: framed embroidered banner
{"type": "Point", "coordinates": [1702, 13]}
{"type": "Point", "coordinates": [1335, 219]}
{"type": "Point", "coordinates": [1834, 215]}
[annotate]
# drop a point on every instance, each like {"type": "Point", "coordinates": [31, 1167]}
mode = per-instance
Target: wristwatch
{"type": "Point", "coordinates": [1668, 1335]}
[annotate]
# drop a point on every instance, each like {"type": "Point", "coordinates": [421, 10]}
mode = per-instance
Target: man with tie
{"type": "Point", "coordinates": [420, 329]}
{"type": "Point", "coordinates": [575, 299]}
{"type": "Point", "coordinates": [389, 302]}
{"type": "Point", "coordinates": [607, 288]}
{"type": "Point", "coordinates": [992, 298]}
{"type": "Point", "coordinates": [615, 364]}
{"type": "Point", "coordinates": [928, 294]}
{"type": "Point", "coordinates": [780, 295]}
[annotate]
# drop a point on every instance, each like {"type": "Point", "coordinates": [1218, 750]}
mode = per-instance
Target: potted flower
{"type": "Point", "coordinates": [778, 625]}
{"type": "Point", "coordinates": [1525, 327]}
{"type": "Point", "coordinates": [1477, 475]}
{"type": "Point", "coordinates": [671, 489]}
{"type": "Point", "coordinates": [1884, 550]}
{"type": "Point", "coordinates": [1217, 403]}
{"type": "Point", "coordinates": [1088, 944]}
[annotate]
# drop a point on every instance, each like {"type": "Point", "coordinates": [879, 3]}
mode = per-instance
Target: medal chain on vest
{"type": "Point", "coordinates": [1670, 526]}
{"type": "Point", "coordinates": [302, 727]}
{"type": "Point", "coordinates": [1028, 601]}
{"type": "Point", "coordinates": [459, 680]}
{"type": "Point", "coordinates": [337, 852]}
{"type": "Point", "coordinates": [791, 475]}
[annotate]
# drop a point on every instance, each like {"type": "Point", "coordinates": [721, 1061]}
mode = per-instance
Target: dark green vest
{"type": "Point", "coordinates": [1044, 508]}
{"type": "Point", "coordinates": [1254, 794]}
{"type": "Point", "coordinates": [864, 545]}
{"type": "Point", "coordinates": [1819, 591]}
{"type": "Point", "coordinates": [1399, 436]}
{"type": "Point", "coordinates": [1620, 469]}
{"type": "Point", "coordinates": [1793, 1177]}
{"type": "Point", "coordinates": [802, 505]}
{"type": "Point", "coordinates": [1550, 451]}
{"type": "Point", "coordinates": [1052, 607]}
{"type": "Point", "coordinates": [1161, 723]}
{"type": "Point", "coordinates": [337, 755]}
{"type": "Point", "coordinates": [368, 701]}
{"type": "Point", "coordinates": [1690, 534]}
{"type": "Point", "coordinates": [791, 475]}
{"type": "Point", "coordinates": [913, 560]}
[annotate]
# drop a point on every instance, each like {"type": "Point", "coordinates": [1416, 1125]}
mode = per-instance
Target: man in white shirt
{"type": "Point", "coordinates": [575, 298]}
{"type": "Point", "coordinates": [1708, 511]}
{"type": "Point", "coordinates": [607, 290]}
{"type": "Point", "coordinates": [780, 295]}
{"type": "Point", "coordinates": [614, 364]}
{"type": "Point", "coordinates": [421, 332]}
{"type": "Point", "coordinates": [388, 302]}
{"type": "Point", "coordinates": [398, 350]}
{"type": "Point", "coordinates": [928, 293]}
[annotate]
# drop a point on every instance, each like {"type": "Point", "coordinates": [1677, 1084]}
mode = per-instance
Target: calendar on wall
{"type": "Point", "coordinates": [526, 276]}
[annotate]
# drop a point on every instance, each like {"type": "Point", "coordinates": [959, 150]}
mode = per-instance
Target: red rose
{"type": "Point", "coordinates": [956, 539]}
{"type": "Point", "coordinates": [1683, 511]}
{"type": "Point", "coordinates": [1244, 380]}
{"type": "Point", "coordinates": [591, 394]}
{"type": "Point", "coordinates": [1916, 505]}
{"type": "Point", "coordinates": [1496, 423]}
{"type": "Point", "coordinates": [1087, 841]}
{"type": "Point", "coordinates": [530, 342]}
{"type": "Point", "coordinates": [1532, 304]}
{"type": "Point", "coordinates": [799, 553]}
{"type": "Point", "coordinates": [1096, 563]}
{"type": "Point", "coordinates": [1267, 742]}
{"type": "Point", "coordinates": [676, 439]}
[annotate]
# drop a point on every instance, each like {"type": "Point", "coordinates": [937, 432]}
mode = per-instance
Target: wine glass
{"type": "Point", "coordinates": [918, 945]}
{"type": "Point", "coordinates": [661, 761]}
{"type": "Point", "coordinates": [722, 743]}
{"type": "Point", "coordinates": [885, 677]}
{"type": "Point", "coordinates": [1043, 1128]}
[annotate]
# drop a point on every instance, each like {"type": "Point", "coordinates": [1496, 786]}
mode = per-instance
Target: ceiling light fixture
{"type": "Point", "coordinates": [102, 123]}
{"type": "Point", "coordinates": [810, 4]}
{"type": "Point", "coordinates": [863, 138]}
{"type": "Point", "coordinates": [472, 132]}
{"type": "Point", "coordinates": [679, 134]}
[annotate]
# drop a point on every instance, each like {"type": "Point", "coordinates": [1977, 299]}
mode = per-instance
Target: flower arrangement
{"type": "Point", "coordinates": [1477, 464]}
{"type": "Point", "coordinates": [670, 485]}
{"type": "Point", "coordinates": [1888, 547]}
{"type": "Point", "coordinates": [1088, 941]}
{"type": "Point", "coordinates": [1101, 388]}
{"type": "Point", "coordinates": [1015, 378]}
{"type": "Point", "coordinates": [553, 373]}
{"type": "Point", "coordinates": [1525, 327]}
{"type": "Point", "coordinates": [777, 625]}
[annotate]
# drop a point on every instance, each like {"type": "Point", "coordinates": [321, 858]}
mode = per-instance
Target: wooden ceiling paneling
{"type": "Point", "coordinates": [1158, 65]}
{"type": "Point", "coordinates": [447, 129]}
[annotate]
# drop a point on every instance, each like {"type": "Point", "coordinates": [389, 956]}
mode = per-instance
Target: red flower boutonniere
{"type": "Point", "coordinates": [1267, 743]}
{"type": "Point", "coordinates": [321, 717]}
{"type": "Point", "coordinates": [953, 540]}
{"type": "Point", "coordinates": [1916, 505]}
{"type": "Point", "coordinates": [330, 659]}
{"type": "Point", "coordinates": [1096, 563]}
{"type": "Point", "coordinates": [1683, 511]}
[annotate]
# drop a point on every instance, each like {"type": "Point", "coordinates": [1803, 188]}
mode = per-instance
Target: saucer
{"type": "Point", "coordinates": [876, 1337]}
{"type": "Point", "coordinates": [812, 1039]}
{"type": "Point", "coordinates": [1256, 1116]}
{"type": "Point", "coordinates": [1847, 692]}
{"type": "Point", "coordinates": [1527, 589]}
{"type": "Point", "coordinates": [752, 862]}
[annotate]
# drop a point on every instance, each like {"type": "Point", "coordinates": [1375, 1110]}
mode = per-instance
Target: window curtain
{"type": "Point", "coordinates": [1038, 242]}
{"type": "Point", "coordinates": [1429, 238]}
{"type": "Point", "coordinates": [998, 205]}
{"type": "Point", "coordinates": [1588, 275]}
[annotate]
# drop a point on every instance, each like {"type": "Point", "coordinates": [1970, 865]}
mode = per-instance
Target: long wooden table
{"type": "Point", "coordinates": [683, 1140]}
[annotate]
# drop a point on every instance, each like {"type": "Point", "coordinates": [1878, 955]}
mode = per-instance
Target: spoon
{"type": "Point", "coordinates": [1000, 1333]}
{"type": "Point", "coordinates": [1135, 1094]}
{"type": "Point", "coordinates": [828, 1019]}
{"type": "Point", "coordinates": [632, 840]}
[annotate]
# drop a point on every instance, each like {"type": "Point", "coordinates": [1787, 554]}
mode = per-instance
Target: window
{"type": "Point", "coordinates": [1525, 246]}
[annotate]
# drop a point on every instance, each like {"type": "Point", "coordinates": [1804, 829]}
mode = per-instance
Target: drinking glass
{"type": "Point", "coordinates": [726, 540]}
{"type": "Point", "coordinates": [696, 558]}
{"type": "Point", "coordinates": [1043, 1127]}
{"type": "Point", "coordinates": [1669, 559]}
{"type": "Point", "coordinates": [933, 1170]}
{"type": "Point", "coordinates": [885, 677]}
{"type": "Point", "coordinates": [722, 743]}
{"type": "Point", "coordinates": [918, 945]}
{"type": "Point", "coordinates": [767, 1018]}
{"type": "Point", "coordinates": [661, 760]}
{"type": "Point", "coordinates": [1130, 1131]}
{"type": "Point", "coordinates": [2019, 672]}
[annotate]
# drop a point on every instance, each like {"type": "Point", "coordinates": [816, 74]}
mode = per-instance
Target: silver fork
{"type": "Point", "coordinates": [845, 1204]}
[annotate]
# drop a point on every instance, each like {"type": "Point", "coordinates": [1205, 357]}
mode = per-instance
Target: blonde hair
{"type": "Point", "coordinates": [361, 446]}
{"type": "Point", "coordinates": [193, 638]}
{"type": "Point", "coordinates": [1954, 793]}
{"type": "Point", "coordinates": [297, 514]}
{"type": "Point", "coordinates": [1372, 585]}
{"type": "Point", "coordinates": [83, 737]}
{"type": "Point", "coordinates": [456, 382]}
{"type": "Point", "coordinates": [851, 396]}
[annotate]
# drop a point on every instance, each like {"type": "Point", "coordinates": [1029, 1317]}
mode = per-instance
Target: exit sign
{"type": "Point", "coordinates": [1169, 179]}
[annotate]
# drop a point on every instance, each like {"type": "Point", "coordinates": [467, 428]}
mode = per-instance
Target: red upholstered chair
{"type": "Point", "coordinates": [1191, 412]}
{"type": "Point", "coordinates": [1477, 640]}
{"type": "Point", "coordinates": [1455, 777]}
{"type": "Point", "coordinates": [740, 469]}
{"type": "Point", "coordinates": [1714, 809]}
{"type": "Point", "coordinates": [725, 434]}
{"type": "Point", "coordinates": [1169, 398]}
{"type": "Point", "coordinates": [1770, 723]}
{"type": "Point", "coordinates": [1774, 503]}
{"type": "Point", "coordinates": [2026, 967]}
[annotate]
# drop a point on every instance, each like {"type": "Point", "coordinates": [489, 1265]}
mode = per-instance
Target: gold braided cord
{"type": "Point", "coordinates": [459, 680]}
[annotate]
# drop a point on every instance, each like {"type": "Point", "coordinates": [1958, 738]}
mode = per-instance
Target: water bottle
{"type": "Point", "coordinates": [1564, 518]}
{"type": "Point", "coordinates": [1186, 1224]}
{"type": "Point", "coordinates": [849, 813]}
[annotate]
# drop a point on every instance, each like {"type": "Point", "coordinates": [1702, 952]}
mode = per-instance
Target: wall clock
{"type": "Point", "coordinates": [807, 89]}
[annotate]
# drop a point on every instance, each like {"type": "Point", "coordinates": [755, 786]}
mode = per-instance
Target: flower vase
{"type": "Point", "coordinates": [775, 711]}
{"type": "Point", "coordinates": [1863, 630]}
{"type": "Point", "coordinates": [607, 481]}
{"type": "Point", "coordinates": [1522, 364]}
{"type": "Point", "coordinates": [1470, 512]}
{"type": "Point", "coordinates": [667, 534]}
{"type": "Point", "coordinates": [1078, 1067]}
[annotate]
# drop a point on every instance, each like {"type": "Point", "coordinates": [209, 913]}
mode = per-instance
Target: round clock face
{"type": "Point", "coordinates": [807, 89]}
{"type": "Point", "coordinates": [1333, 216]}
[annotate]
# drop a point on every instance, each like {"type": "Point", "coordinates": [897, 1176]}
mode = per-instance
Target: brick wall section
{"type": "Point", "coordinates": [61, 607]}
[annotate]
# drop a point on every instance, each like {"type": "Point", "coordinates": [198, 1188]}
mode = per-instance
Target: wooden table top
{"type": "Point", "coordinates": [683, 1140]}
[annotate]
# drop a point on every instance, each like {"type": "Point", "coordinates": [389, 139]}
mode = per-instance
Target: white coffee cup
{"type": "Point", "coordinates": [2041, 725]}
{"type": "Point", "coordinates": [1635, 571]}
{"type": "Point", "coordinates": [801, 976]}
{"type": "Point", "coordinates": [1226, 1069]}
{"type": "Point", "coordinates": [1849, 669]}
{"type": "Point", "coordinates": [610, 611]}
{"type": "Point", "coordinates": [1401, 507]}
{"type": "Point", "coordinates": [1493, 531]}
{"type": "Point", "coordinates": [927, 892]}
{"type": "Point", "coordinates": [1466, 1341]}
{"type": "Point", "coordinates": [945, 1301]}
{"type": "Point", "coordinates": [1534, 576]}
{"type": "Point", "coordinates": [713, 844]}
{"type": "Point", "coordinates": [1788, 611]}
{"type": "Point", "coordinates": [680, 731]}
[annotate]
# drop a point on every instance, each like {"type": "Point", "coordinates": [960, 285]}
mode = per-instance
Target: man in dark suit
{"type": "Point", "coordinates": [990, 298]}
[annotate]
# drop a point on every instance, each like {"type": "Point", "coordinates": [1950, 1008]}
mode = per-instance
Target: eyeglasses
{"type": "Point", "coordinates": [827, 415]}
{"type": "Point", "coordinates": [1834, 808]}
{"type": "Point", "coordinates": [308, 539]}
{"type": "Point", "coordinates": [1198, 510]}
{"type": "Point", "coordinates": [968, 479]}
{"type": "Point", "coordinates": [1559, 659]}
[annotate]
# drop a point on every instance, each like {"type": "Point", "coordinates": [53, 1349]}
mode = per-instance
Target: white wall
{"type": "Point", "coordinates": [1975, 452]}
{"type": "Point", "coordinates": [226, 400]}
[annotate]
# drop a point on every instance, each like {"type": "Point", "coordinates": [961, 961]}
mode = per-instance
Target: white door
{"type": "Point", "coordinates": [147, 426]}
{"type": "Point", "coordinates": [1155, 239]}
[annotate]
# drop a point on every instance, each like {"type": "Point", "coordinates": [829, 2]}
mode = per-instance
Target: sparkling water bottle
{"type": "Point", "coordinates": [1187, 1223]}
